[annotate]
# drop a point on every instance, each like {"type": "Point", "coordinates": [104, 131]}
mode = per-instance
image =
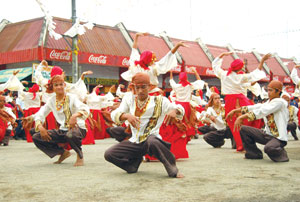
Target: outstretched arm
{"type": "Point", "coordinates": [137, 35]}
{"type": "Point", "coordinates": [85, 73]}
{"type": "Point", "coordinates": [171, 74]}
{"type": "Point", "coordinates": [264, 58]}
{"type": "Point", "coordinates": [181, 43]}
{"type": "Point", "coordinates": [196, 73]}
{"type": "Point", "coordinates": [225, 54]}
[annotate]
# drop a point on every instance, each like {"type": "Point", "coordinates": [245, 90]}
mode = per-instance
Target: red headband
{"type": "Point", "coordinates": [56, 70]}
{"type": "Point", "coordinates": [236, 65]}
{"type": "Point", "coordinates": [183, 79]}
{"type": "Point", "coordinates": [145, 58]}
{"type": "Point", "coordinates": [35, 88]}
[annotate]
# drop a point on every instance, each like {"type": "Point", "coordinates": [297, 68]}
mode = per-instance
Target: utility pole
{"type": "Point", "coordinates": [74, 45]}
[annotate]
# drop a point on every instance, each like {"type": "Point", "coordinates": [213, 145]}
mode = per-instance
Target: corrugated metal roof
{"type": "Point", "coordinates": [217, 50]}
{"type": "Point", "coordinates": [193, 55]}
{"type": "Point", "coordinates": [152, 43]}
{"type": "Point", "coordinates": [101, 39]}
{"type": "Point", "coordinates": [290, 64]}
{"type": "Point", "coordinates": [275, 67]}
{"type": "Point", "coordinates": [252, 62]}
{"type": "Point", "coordinates": [21, 36]}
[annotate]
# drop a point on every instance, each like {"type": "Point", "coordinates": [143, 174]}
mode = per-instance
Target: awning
{"type": "Point", "coordinates": [24, 72]}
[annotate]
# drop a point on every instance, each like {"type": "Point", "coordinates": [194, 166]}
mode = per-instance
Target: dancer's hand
{"type": "Point", "coordinates": [86, 73]}
{"type": "Point", "coordinates": [225, 54]}
{"type": "Point", "coordinates": [142, 34]}
{"type": "Point", "coordinates": [297, 66]}
{"type": "Point", "coordinates": [133, 120]}
{"type": "Point", "coordinates": [16, 72]}
{"type": "Point", "coordinates": [237, 124]}
{"type": "Point", "coordinates": [44, 134]}
{"type": "Point", "coordinates": [172, 114]}
{"type": "Point", "coordinates": [230, 115]}
{"type": "Point", "coordinates": [44, 62]}
{"type": "Point", "coordinates": [72, 122]}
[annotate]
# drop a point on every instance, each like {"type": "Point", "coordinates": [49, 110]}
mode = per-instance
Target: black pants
{"type": "Point", "coordinates": [5, 140]}
{"type": "Point", "coordinates": [118, 133]}
{"type": "Point", "coordinates": [20, 133]}
{"type": "Point", "coordinates": [128, 156]}
{"type": "Point", "coordinates": [216, 137]}
{"type": "Point", "coordinates": [52, 149]}
{"type": "Point", "coordinates": [292, 127]}
{"type": "Point", "coordinates": [274, 148]}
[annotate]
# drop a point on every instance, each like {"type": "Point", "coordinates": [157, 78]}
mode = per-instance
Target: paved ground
{"type": "Point", "coordinates": [27, 174]}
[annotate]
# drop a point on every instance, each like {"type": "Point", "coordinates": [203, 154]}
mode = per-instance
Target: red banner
{"type": "Point", "coordinates": [88, 58]}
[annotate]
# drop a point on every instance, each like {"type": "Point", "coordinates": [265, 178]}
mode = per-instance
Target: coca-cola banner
{"type": "Point", "coordinates": [61, 55]}
{"type": "Point", "coordinates": [88, 58]}
{"type": "Point", "coordinates": [101, 59]}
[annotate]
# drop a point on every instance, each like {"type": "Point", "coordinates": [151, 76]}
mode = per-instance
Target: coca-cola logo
{"type": "Point", "coordinates": [98, 59]}
{"type": "Point", "coordinates": [60, 55]}
{"type": "Point", "coordinates": [125, 62]}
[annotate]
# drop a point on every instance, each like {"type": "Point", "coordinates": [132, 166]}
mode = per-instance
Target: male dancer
{"type": "Point", "coordinates": [70, 113]}
{"type": "Point", "coordinates": [276, 117]}
{"type": "Point", "coordinates": [145, 114]}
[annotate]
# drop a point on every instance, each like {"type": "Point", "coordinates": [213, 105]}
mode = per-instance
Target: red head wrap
{"type": "Point", "coordinates": [183, 79]}
{"type": "Point", "coordinates": [56, 70]}
{"type": "Point", "coordinates": [145, 59]}
{"type": "Point", "coordinates": [35, 88]}
{"type": "Point", "coordinates": [236, 65]}
{"type": "Point", "coordinates": [215, 89]}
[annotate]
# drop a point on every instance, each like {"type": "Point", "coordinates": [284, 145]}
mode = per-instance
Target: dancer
{"type": "Point", "coordinates": [293, 116]}
{"type": "Point", "coordinates": [145, 114]}
{"type": "Point", "coordinates": [232, 87]}
{"type": "Point", "coordinates": [217, 131]}
{"type": "Point", "coordinates": [146, 62]}
{"type": "Point", "coordinates": [70, 113]}
{"type": "Point", "coordinates": [276, 116]}
{"type": "Point", "coordinates": [8, 119]}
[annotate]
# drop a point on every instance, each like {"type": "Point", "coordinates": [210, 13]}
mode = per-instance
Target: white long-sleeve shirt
{"type": "Point", "coordinates": [219, 124]}
{"type": "Point", "coordinates": [10, 112]}
{"type": "Point", "coordinates": [28, 102]}
{"type": "Point", "coordinates": [98, 102]}
{"type": "Point", "coordinates": [232, 84]}
{"type": "Point", "coordinates": [294, 76]}
{"type": "Point", "coordinates": [275, 114]}
{"type": "Point", "coordinates": [119, 93]}
{"type": "Point", "coordinates": [75, 105]}
{"type": "Point", "coordinates": [184, 94]}
{"type": "Point", "coordinates": [128, 105]}
{"type": "Point", "coordinates": [12, 84]}
{"type": "Point", "coordinates": [161, 67]}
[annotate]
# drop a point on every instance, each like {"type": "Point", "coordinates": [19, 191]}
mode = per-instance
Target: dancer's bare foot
{"type": "Point", "coordinates": [179, 175]}
{"type": "Point", "coordinates": [79, 161]}
{"type": "Point", "coordinates": [62, 157]}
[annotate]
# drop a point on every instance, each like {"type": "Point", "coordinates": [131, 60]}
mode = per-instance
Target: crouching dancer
{"type": "Point", "coordinates": [276, 117]}
{"type": "Point", "coordinates": [70, 114]}
{"type": "Point", "coordinates": [145, 114]}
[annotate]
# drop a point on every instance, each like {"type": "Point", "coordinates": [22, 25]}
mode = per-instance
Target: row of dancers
{"type": "Point", "coordinates": [146, 123]}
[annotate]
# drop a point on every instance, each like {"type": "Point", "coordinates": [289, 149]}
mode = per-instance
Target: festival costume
{"type": "Point", "coordinates": [62, 114]}
{"type": "Point", "coordinates": [128, 154]}
{"type": "Point", "coordinates": [233, 89]}
{"type": "Point", "coordinates": [162, 66]}
{"type": "Point", "coordinates": [276, 116]}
